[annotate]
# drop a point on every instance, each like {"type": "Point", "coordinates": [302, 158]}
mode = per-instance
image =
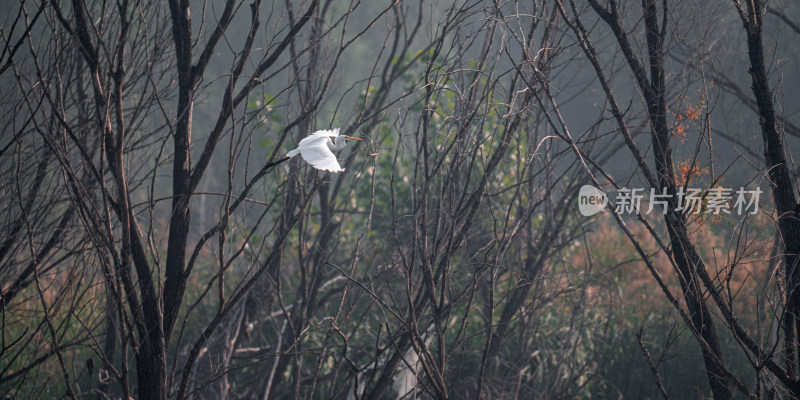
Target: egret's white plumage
{"type": "Point", "coordinates": [317, 149]}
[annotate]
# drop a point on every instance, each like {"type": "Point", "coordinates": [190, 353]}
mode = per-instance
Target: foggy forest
{"type": "Point", "coordinates": [542, 199]}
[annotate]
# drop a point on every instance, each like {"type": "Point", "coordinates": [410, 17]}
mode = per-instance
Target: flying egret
{"type": "Point", "coordinates": [317, 149]}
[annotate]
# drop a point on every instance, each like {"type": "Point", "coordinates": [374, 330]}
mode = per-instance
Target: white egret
{"type": "Point", "coordinates": [317, 149]}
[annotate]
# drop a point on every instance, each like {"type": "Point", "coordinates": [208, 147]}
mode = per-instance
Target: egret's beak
{"type": "Point", "coordinates": [354, 138]}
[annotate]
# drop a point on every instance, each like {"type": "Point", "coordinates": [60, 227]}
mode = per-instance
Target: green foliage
{"type": "Point", "coordinates": [263, 112]}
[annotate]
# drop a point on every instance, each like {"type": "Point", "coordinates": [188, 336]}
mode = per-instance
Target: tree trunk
{"type": "Point", "coordinates": [783, 192]}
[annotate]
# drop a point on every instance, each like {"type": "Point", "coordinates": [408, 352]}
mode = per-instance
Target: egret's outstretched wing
{"type": "Point", "coordinates": [317, 153]}
{"type": "Point", "coordinates": [314, 149]}
{"type": "Point", "coordinates": [311, 138]}
{"type": "Point", "coordinates": [319, 134]}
